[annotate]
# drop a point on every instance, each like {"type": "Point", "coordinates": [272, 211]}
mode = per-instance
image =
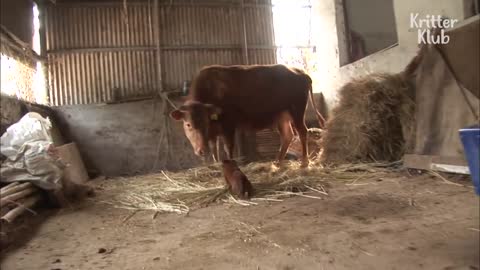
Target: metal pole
{"type": "Point", "coordinates": [161, 94]}
{"type": "Point", "coordinates": [240, 135]}
{"type": "Point", "coordinates": [157, 42]}
{"type": "Point", "coordinates": [245, 43]}
{"type": "Point", "coordinates": [43, 47]}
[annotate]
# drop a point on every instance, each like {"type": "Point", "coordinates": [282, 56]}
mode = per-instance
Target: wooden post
{"type": "Point", "coordinates": [16, 196]}
{"type": "Point", "coordinates": [75, 172]}
{"type": "Point", "coordinates": [17, 211]}
{"type": "Point", "coordinates": [13, 188]}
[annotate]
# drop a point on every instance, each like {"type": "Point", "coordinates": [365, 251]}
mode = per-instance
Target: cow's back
{"type": "Point", "coordinates": [253, 94]}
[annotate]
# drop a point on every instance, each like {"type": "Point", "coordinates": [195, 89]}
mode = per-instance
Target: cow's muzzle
{"type": "Point", "coordinates": [200, 152]}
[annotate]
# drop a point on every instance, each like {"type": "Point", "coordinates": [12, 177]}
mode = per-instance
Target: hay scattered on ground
{"type": "Point", "coordinates": [181, 191]}
{"type": "Point", "coordinates": [374, 120]}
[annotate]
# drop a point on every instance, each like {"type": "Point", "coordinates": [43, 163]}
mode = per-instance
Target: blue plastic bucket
{"type": "Point", "coordinates": [471, 144]}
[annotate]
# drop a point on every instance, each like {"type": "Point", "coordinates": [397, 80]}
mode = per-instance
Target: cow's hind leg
{"type": "Point", "coordinates": [298, 115]}
{"type": "Point", "coordinates": [286, 136]}
{"type": "Point", "coordinates": [302, 134]}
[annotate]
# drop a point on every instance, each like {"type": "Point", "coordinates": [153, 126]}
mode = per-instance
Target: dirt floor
{"type": "Point", "coordinates": [399, 223]}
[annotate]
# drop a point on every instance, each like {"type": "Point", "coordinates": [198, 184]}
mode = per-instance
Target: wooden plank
{"type": "Point", "coordinates": [436, 163]}
{"type": "Point", "coordinates": [451, 168]}
{"type": "Point", "coordinates": [75, 171]}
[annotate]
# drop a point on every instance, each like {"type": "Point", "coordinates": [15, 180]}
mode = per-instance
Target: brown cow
{"type": "Point", "coordinates": [237, 181]}
{"type": "Point", "coordinates": [225, 98]}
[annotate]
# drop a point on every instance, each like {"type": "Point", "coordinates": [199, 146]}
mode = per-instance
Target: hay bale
{"type": "Point", "coordinates": [374, 120]}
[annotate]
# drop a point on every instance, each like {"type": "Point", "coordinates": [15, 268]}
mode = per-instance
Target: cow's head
{"type": "Point", "coordinates": [197, 122]}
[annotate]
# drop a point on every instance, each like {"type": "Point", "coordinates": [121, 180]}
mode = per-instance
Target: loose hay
{"type": "Point", "coordinates": [374, 120]}
{"type": "Point", "coordinates": [180, 191]}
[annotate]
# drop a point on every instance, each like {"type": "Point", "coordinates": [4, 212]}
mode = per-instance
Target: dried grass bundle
{"type": "Point", "coordinates": [373, 120]}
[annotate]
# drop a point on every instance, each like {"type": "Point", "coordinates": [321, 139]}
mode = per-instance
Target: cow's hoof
{"type": "Point", "coordinates": [304, 164]}
{"type": "Point", "coordinates": [280, 164]}
{"type": "Point", "coordinates": [274, 168]}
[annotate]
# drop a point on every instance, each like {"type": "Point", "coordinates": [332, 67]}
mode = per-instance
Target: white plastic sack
{"type": "Point", "coordinates": [28, 147]}
{"type": "Point", "coordinates": [31, 127]}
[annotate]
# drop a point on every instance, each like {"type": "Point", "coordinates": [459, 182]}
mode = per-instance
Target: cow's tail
{"type": "Point", "coordinates": [320, 118]}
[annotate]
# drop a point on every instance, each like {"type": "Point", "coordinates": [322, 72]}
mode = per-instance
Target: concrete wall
{"type": "Point", "coordinates": [121, 139]}
{"type": "Point", "coordinates": [330, 76]}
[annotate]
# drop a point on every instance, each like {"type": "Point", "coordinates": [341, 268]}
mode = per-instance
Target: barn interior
{"type": "Point", "coordinates": [95, 173]}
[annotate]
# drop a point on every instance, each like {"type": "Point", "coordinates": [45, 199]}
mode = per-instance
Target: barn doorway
{"type": "Point", "coordinates": [292, 22]}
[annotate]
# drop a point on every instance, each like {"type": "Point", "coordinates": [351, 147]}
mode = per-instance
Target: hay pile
{"type": "Point", "coordinates": [181, 191]}
{"type": "Point", "coordinates": [373, 121]}
{"type": "Point", "coordinates": [314, 147]}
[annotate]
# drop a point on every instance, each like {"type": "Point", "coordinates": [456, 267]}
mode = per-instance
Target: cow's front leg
{"type": "Point", "coordinates": [229, 142]}
{"type": "Point", "coordinates": [217, 148]}
{"type": "Point", "coordinates": [213, 150]}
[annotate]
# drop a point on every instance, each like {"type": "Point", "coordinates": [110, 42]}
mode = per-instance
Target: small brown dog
{"type": "Point", "coordinates": [237, 181]}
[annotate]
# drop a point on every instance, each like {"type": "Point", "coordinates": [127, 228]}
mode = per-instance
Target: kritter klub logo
{"type": "Point", "coordinates": [427, 24]}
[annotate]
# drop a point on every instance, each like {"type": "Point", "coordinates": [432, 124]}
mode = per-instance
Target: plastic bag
{"type": "Point", "coordinates": [28, 147]}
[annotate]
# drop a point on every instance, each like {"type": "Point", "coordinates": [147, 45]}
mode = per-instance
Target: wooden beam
{"type": "Point", "coordinates": [173, 48]}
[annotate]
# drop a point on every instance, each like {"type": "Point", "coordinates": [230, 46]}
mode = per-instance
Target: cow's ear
{"type": "Point", "coordinates": [177, 115]}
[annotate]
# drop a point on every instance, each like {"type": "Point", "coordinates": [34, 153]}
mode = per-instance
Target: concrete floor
{"type": "Point", "coordinates": [398, 223]}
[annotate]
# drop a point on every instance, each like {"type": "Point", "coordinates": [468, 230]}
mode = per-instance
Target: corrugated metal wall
{"type": "Point", "coordinates": [96, 48]}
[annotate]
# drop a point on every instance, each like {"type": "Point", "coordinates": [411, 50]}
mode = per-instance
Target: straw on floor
{"type": "Point", "coordinates": [181, 191]}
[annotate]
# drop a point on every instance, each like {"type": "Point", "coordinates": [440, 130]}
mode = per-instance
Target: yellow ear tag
{"type": "Point", "coordinates": [214, 117]}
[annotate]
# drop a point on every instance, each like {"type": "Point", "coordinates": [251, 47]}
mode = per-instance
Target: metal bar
{"type": "Point", "coordinates": [42, 30]}
{"type": "Point", "coordinates": [239, 134]}
{"type": "Point", "coordinates": [158, 47]}
{"type": "Point", "coordinates": [179, 47]}
{"type": "Point", "coordinates": [43, 47]}
{"type": "Point", "coordinates": [245, 42]}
